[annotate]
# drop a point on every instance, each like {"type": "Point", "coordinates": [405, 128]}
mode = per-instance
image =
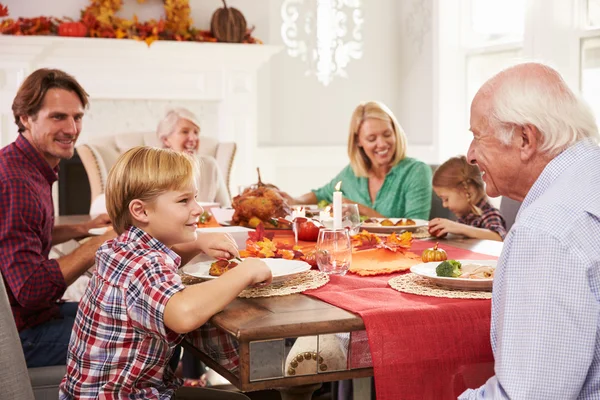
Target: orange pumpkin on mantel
{"type": "Point", "coordinates": [228, 25]}
{"type": "Point", "coordinates": [72, 29]}
{"type": "Point", "coordinates": [434, 254]}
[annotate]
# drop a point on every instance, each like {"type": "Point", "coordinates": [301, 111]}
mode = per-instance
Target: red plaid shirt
{"type": "Point", "coordinates": [490, 219]}
{"type": "Point", "coordinates": [120, 347]}
{"type": "Point", "coordinates": [33, 282]}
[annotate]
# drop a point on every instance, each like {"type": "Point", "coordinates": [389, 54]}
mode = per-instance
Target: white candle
{"type": "Point", "coordinates": [337, 206]}
{"type": "Point", "coordinates": [299, 212]}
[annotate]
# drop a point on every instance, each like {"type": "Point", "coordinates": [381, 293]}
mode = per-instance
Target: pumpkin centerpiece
{"type": "Point", "coordinates": [434, 254]}
{"type": "Point", "coordinates": [228, 24]}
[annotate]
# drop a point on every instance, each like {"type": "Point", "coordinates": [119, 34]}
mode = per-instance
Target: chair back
{"type": "Point", "coordinates": [100, 154]}
{"type": "Point", "coordinates": [509, 209]}
{"type": "Point", "coordinates": [14, 378]}
{"type": "Point", "coordinates": [437, 209]}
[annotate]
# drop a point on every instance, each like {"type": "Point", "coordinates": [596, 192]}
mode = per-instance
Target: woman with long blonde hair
{"type": "Point", "coordinates": [380, 178]}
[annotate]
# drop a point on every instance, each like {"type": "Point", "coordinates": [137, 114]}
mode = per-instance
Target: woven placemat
{"type": "Point", "coordinates": [414, 284]}
{"type": "Point", "coordinates": [298, 284]}
{"type": "Point", "coordinates": [421, 233]}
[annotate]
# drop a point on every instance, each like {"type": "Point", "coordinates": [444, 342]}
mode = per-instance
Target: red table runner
{"type": "Point", "coordinates": [422, 347]}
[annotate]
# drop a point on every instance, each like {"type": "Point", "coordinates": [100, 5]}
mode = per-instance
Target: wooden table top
{"type": "Point", "coordinates": [299, 315]}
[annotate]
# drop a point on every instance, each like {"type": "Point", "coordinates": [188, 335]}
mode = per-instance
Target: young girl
{"type": "Point", "coordinates": [460, 187]}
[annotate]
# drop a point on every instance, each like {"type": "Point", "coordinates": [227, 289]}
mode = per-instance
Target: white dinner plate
{"type": "Point", "coordinates": [427, 270]}
{"type": "Point", "coordinates": [98, 231]}
{"type": "Point", "coordinates": [281, 269]}
{"type": "Point", "coordinates": [378, 228]}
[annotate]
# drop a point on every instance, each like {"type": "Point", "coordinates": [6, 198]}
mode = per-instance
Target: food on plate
{"type": "Point", "coordinates": [477, 271]}
{"type": "Point", "coordinates": [221, 266]}
{"type": "Point", "coordinates": [449, 269]}
{"type": "Point", "coordinates": [261, 203]}
{"type": "Point", "coordinates": [434, 254]}
{"type": "Point", "coordinates": [205, 218]}
{"type": "Point", "coordinates": [308, 230]}
{"type": "Point", "coordinates": [322, 204]}
{"type": "Point", "coordinates": [389, 222]}
{"type": "Point", "coordinates": [454, 269]}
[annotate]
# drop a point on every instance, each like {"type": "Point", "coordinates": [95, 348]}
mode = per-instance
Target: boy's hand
{"type": "Point", "coordinates": [259, 272]}
{"type": "Point", "coordinates": [218, 245]}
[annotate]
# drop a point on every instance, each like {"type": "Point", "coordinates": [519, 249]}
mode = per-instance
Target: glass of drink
{"type": "Point", "coordinates": [334, 251]}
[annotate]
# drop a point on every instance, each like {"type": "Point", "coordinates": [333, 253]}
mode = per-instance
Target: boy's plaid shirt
{"type": "Point", "coordinates": [120, 347]}
{"type": "Point", "coordinates": [490, 219]}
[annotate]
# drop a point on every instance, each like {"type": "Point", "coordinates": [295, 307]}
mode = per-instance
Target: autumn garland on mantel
{"type": "Point", "coordinates": [99, 20]}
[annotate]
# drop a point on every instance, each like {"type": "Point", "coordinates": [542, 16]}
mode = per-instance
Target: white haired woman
{"type": "Point", "coordinates": [179, 130]}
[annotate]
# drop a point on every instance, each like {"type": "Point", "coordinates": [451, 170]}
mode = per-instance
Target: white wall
{"type": "Point", "coordinates": [303, 126]}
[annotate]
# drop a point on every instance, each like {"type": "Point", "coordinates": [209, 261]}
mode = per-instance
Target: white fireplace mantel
{"type": "Point", "coordinates": [222, 75]}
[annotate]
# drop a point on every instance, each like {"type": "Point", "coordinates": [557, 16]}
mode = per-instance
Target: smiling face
{"type": "Point", "coordinates": [54, 130]}
{"type": "Point", "coordinates": [185, 137]}
{"type": "Point", "coordinates": [376, 137]}
{"type": "Point", "coordinates": [173, 216]}
{"type": "Point", "coordinates": [499, 163]}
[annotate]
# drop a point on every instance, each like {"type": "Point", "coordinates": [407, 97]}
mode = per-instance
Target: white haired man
{"type": "Point", "coordinates": [535, 141]}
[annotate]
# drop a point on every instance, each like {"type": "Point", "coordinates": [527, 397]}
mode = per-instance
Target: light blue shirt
{"type": "Point", "coordinates": [545, 306]}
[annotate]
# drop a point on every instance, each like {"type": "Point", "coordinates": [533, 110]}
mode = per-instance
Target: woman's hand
{"type": "Point", "coordinates": [218, 245]}
{"type": "Point", "coordinates": [440, 227]}
{"type": "Point", "coordinates": [290, 200]}
{"type": "Point", "coordinates": [362, 209]}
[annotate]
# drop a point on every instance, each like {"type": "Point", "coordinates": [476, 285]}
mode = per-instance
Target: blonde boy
{"type": "Point", "coordinates": [135, 308]}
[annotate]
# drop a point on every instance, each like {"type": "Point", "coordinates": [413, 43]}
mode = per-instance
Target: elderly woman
{"type": "Point", "coordinates": [179, 130]}
{"type": "Point", "coordinates": [380, 178]}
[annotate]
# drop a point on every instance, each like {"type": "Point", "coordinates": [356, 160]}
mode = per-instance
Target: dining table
{"type": "Point", "coordinates": [270, 330]}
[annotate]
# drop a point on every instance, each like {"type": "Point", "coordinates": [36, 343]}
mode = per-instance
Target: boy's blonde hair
{"type": "Point", "coordinates": [144, 173]}
{"type": "Point", "coordinates": [359, 161]}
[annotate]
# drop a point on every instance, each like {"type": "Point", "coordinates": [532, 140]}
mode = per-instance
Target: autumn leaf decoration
{"type": "Point", "coordinates": [3, 10]}
{"type": "Point", "coordinates": [397, 243]}
{"type": "Point", "coordinates": [261, 245]}
{"type": "Point", "coordinates": [259, 233]}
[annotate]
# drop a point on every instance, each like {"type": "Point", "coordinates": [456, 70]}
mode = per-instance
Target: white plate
{"type": "Point", "coordinates": [377, 228]}
{"type": "Point", "coordinates": [98, 231]}
{"type": "Point", "coordinates": [281, 269]}
{"type": "Point", "coordinates": [427, 270]}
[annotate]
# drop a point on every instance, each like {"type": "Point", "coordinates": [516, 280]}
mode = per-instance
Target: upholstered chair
{"type": "Point", "coordinates": [16, 381]}
{"type": "Point", "coordinates": [100, 154]}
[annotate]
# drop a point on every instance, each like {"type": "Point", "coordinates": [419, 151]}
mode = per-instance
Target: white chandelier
{"type": "Point", "coordinates": [324, 33]}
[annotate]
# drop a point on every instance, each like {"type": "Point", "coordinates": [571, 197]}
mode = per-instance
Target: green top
{"type": "Point", "coordinates": [405, 193]}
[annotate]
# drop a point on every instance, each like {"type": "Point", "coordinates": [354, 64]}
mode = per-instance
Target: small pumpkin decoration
{"type": "Point", "coordinates": [228, 24]}
{"type": "Point", "coordinates": [73, 29]}
{"type": "Point", "coordinates": [434, 254]}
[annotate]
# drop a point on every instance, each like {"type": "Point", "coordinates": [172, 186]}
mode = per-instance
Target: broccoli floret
{"type": "Point", "coordinates": [449, 269]}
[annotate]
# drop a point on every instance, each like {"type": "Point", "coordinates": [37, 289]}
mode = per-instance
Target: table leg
{"type": "Point", "coordinates": [303, 392]}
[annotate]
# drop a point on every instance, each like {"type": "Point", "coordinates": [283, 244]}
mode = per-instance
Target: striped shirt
{"type": "Point", "coordinates": [545, 329]}
{"type": "Point", "coordinates": [490, 219]}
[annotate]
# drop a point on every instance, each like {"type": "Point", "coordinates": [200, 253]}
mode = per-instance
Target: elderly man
{"type": "Point", "coordinates": [48, 111]}
{"type": "Point", "coordinates": [536, 142]}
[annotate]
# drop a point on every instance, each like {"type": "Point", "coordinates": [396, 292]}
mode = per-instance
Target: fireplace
{"type": "Point", "coordinates": [131, 84]}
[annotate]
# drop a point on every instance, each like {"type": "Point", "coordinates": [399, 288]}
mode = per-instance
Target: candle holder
{"type": "Point", "coordinates": [334, 251]}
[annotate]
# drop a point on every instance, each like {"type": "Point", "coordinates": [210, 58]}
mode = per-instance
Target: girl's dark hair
{"type": "Point", "coordinates": [457, 173]}
{"type": "Point", "coordinates": [31, 94]}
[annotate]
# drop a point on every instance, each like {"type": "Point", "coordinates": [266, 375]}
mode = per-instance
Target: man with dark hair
{"type": "Point", "coordinates": [48, 111]}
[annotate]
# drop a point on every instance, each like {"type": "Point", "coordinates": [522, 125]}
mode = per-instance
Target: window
{"type": "Point", "coordinates": [493, 39]}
